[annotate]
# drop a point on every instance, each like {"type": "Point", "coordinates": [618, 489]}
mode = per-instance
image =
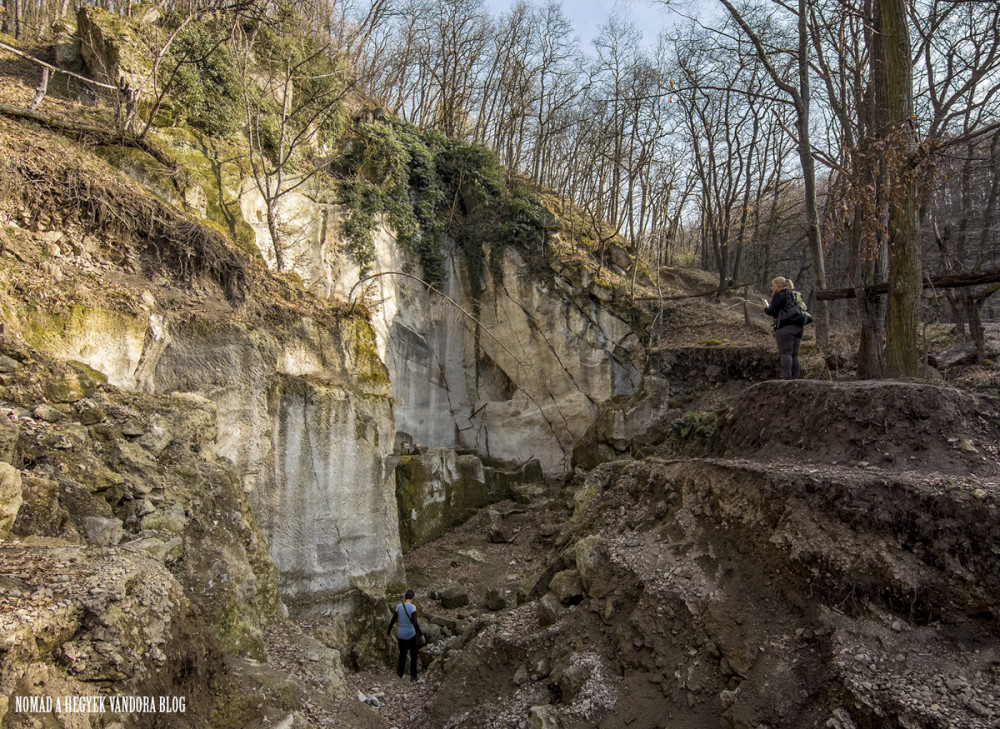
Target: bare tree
{"type": "Point", "coordinates": [289, 95]}
{"type": "Point", "coordinates": [798, 89]}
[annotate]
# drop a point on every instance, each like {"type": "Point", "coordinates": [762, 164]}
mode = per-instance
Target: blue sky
{"type": "Point", "coordinates": [587, 15]}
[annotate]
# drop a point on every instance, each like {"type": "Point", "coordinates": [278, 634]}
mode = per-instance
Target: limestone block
{"type": "Point", "coordinates": [133, 428]}
{"type": "Point", "coordinates": [156, 548]}
{"type": "Point", "coordinates": [571, 681]}
{"type": "Point", "coordinates": [593, 564]}
{"type": "Point", "coordinates": [135, 458]}
{"type": "Point", "coordinates": [494, 600]}
{"type": "Point", "coordinates": [435, 491]}
{"type": "Point", "coordinates": [10, 497]}
{"type": "Point", "coordinates": [323, 665]}
{"type": "Point", "coordinates": [333, 633]}
{"type": "Point", "coordinates": [75, 385]}
{"type": "Point", "coordinates": [567, 587]}
{"type": "Point", "coordinates": [102, 532]}
{"type": "Point", "coordinates": [69, 51]}
{"type": "Point", "coordinates": [43, 514]}
{"type": "Point", "coordinates": [454, 597]}
{"type": "Point", "coordinates": [48, 413]}
{"type": "Point", "coordinates": [169, 519]}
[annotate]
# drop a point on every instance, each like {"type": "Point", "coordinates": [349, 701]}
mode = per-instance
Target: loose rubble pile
{"type": "Point", "coordinates": [130, 564]}
{"type": "Point", "coordinates": [748, 591]}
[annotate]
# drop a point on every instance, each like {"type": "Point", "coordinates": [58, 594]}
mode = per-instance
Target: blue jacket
{"type": "Point", "coordinates": [406, 614]}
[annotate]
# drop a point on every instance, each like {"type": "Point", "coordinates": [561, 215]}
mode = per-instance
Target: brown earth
{"type": "Point", "coordinates": [843, 571]}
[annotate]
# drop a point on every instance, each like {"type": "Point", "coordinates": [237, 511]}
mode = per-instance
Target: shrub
{"type": "Point", "coordinates": [434, 189]}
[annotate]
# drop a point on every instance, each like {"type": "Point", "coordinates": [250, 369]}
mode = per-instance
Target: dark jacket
{"type": "Point", "coordinates": [778, 303]}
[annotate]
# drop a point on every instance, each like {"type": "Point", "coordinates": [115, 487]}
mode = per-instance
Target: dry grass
{"type": "Point", "coordinates": [48, 182]}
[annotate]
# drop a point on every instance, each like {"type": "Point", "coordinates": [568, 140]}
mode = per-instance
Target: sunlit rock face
{"type": "Point", "coordinates": [523, 383]}
{"type": "Point", "coordinates": [306, 416]}
{"type": "Point", "coordinates": [309, 423]}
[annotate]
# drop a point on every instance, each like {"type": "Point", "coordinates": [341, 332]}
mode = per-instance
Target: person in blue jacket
{"type": "Point", "coordinates": [787, 335]}
{"type": "Point", "coordinates": [407, 634]}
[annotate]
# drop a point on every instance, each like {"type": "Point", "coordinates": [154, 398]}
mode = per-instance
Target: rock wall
{"type": "Point", "coordinates": [526, 384]}
{"type": "Point", "coordinates": [134, 474]}
{"type": "Point", "coordinates": [306, 413]}
{"type": "Point", "coordinates": [303, 412]}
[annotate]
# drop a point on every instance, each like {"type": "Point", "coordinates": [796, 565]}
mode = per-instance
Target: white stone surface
{"type": "Point", "coordinates": [310, 433]}
{"type": "Point", "coordinates": [545, 358]}
{"type": "Point", "coordinates": [10, 497]}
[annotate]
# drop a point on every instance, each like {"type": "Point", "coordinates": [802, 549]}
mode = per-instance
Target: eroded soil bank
{"type": "Point", "coordinates": [835, 566]}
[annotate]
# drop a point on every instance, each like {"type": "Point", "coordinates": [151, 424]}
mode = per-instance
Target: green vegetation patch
{"type": "Point", "coordinates": [434, 190]}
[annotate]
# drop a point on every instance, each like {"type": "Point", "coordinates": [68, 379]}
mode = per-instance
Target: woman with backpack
{"type": "Point", "coordinates": [788, 320]}
{"type": "Point", "coordinates": [407, 634]}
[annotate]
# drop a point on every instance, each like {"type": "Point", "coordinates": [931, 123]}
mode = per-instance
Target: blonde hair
{"type": "Point", "coordinates": [785, 283]}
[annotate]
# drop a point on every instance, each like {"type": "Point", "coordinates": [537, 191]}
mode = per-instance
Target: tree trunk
{"type": "Point", "coordinates": [905, 256]}
{"type": "Point", "coordinates": [272, 229]}
{"type": "Point", "coordinates": [822, 320]}
{"type": "Point", "coordinates": [871, 308]}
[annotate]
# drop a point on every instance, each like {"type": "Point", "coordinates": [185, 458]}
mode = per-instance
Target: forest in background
{"type": "Point", "coordinates": [842, 144]}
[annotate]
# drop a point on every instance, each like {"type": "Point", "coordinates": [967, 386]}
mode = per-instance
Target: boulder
{"type": "Point", "coordinates": [333, 633]}
{"type": "Point", "coordinates": [102, 532]}
{"type": "Point", "coordinates": [10, 497]}
{"type": "Point", "coordinates": [571, 681]}
{"type": "Point", "coordinates": [438, 490]}
{"type": "Point", "coordinates": [494, 600]}
{"type": "Point", "coordinates": [567, 587]}
{"type": "Point", "coordinates": [498, 533]}
{"type": "Point", "coordinates": [454, 597]}
{"type": "Point", "coordinates": [323, 665]}
{"type": "Point", "coordinates": [169, 519]}
{"type": "Point", "coordinates": [110, 48]}
{"type": "Point", "coordinates": [69, 49]}
{"type": "Point", "coordinates": [132, 428]}
{"type": "Point", "coordinates": [44, 515]}
{"type": "Point", "coordinates": [549, 610]}
{"type": "Point", "coordinates": [959, 354]}
{"type": "Point", "coordinates": [594, 566]}
{"type": "Point", "coordinates": [92, 415]}
{"type": "Point", "coordinates": [73, 385]}
{"type": "Point", "coordinates": [48, 413]}
{"type": "Point", "coordinates": [154, 547]}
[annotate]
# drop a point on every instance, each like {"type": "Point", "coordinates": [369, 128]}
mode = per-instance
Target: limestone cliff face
{"type": "Point", "coordinates": [525, 384]}
{"type": "Point", "coordinates": [308, 412]}
{"type": "Point", "coordinates": [529, 390]}
{"type": "Point", "coordinates": [303, 412]}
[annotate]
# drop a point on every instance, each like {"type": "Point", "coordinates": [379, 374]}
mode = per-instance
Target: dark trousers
{"type": "Point", "coordinates": [407, 646]}
{"type": "Point", "coordinates": [789, 337]}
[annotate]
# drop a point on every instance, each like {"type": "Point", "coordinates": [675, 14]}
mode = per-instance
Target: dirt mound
{"type": "Point", "coordinates": [728, 592]}
{"type": "Point", "coordinates": [831, 559]}
{"type": "Point", "coordinates": [907, 424]}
